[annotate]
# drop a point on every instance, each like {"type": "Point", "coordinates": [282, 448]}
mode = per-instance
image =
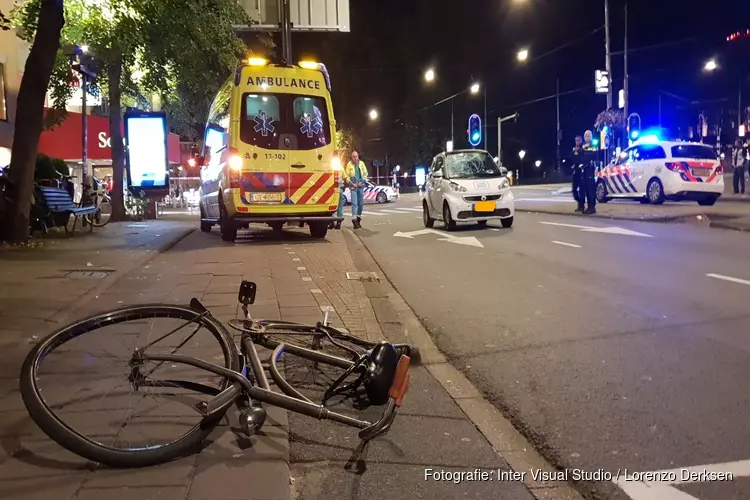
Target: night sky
{"type": "Point", "coordinates": [381, 63]}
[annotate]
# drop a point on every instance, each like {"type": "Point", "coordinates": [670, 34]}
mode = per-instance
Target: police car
{"type": "Point", "coordinates": [467, 186]}
{"type": "Point", "coordinates": [654, 171]}
{"type": "Point", "coordinates": [373, 194]}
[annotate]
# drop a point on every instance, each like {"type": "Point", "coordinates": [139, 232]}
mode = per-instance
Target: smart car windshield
{"type": "Point", "coordinates": [470, 165]}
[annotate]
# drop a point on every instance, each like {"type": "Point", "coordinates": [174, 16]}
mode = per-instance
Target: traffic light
{"type": "Point", "coordinates": [634, 126]}
{"type": "Point", "coordinates": [475, 130]}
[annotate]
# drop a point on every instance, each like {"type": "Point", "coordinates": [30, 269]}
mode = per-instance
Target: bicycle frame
{"type": "Point", "coordinates": [257, 388]}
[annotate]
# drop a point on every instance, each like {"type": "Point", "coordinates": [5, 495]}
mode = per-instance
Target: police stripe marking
{"type": "Point", "coordinates": [621, 183]}
{"type": "Point", "coordinates": [611, 186]}
{"type": "Point", "coordinates": [627, 178]}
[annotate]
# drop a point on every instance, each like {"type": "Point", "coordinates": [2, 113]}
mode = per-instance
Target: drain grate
{"type": "Point", "coordinates": [86, 274]}
{"type": "Point", "coordinates": [366, 276]}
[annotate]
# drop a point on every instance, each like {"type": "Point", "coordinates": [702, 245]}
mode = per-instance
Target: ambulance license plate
{"type": "Point", "coordinates": [266, 197]}
{"type": "Point", "coordinates": [484, 206]}
{"type": "Point", "coordinates": [701, 172]}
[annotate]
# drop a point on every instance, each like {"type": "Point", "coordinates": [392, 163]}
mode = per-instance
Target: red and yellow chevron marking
{"type": "Point", "coordinates": [315, 189]}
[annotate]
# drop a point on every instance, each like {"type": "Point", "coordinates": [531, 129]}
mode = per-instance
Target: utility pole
{"type": "Point", "coordinates": [739, 105]}
{"type": "Point", "coordinates": [558, 123]}
{"type": "Point", "coordinates": [484, 120]}
{"type": "Point", "coordinates": [285, 16]}
{"type": "Point", "coordinates": [84, 135]}
{"type": "Point", "coordinates": [609, 54]}
{"type": "Point", "coordinates": [625, 83]}
{"type": "Point", "coordinates": [452, 120]}
{"type": "Point", "coordinates": [500, 121]}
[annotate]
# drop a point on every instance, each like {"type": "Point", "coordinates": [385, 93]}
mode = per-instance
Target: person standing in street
{"type": "Point", "coordinates": [590, 154]}
{"type": "Point", "coordinates": [578, 193]}
{"type": "Point", "coordinates": [355, 175]}
{"type": "Point", "coordinates": [738, 166]}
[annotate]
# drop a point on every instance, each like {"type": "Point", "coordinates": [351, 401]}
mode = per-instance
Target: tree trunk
{"type": "Point", "coordinates": [29, 118]}
{"type": "Point", "coordinates": [115, 132]}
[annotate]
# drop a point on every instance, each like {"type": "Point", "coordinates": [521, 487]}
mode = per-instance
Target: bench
{"type": "Point", "coordinates": [54, 206]}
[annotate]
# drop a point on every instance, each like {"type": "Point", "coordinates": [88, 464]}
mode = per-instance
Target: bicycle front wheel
{"type": "Point", "coordinates": [106, 407]}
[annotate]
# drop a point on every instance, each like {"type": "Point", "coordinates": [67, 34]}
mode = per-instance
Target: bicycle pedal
{"type": "Point", "coordinates": [252, 419]}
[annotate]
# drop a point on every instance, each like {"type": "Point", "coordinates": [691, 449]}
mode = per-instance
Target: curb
{"type": "Point", "coordinates": [513, 447]}
{"type": "Point", "coordinates": [113, 278]}
{"type": "Point", "coordinates": [729, 226]}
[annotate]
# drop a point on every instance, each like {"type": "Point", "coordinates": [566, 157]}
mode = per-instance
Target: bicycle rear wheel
{"type": "Point", "coordinates": [81, 421]}
{"type": "Point", "coordinates": [103, 214]}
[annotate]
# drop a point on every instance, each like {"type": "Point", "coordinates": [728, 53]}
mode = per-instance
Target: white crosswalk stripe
{"type": "Point", "coordinates": [410, 209]}
{"type": "Point", "coordinates": [391, 212]}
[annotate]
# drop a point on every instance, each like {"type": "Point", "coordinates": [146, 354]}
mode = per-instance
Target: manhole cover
{"type": "Point", "coordinates": [88, 274]}
{"type": "Point", "coordinates": [368, 276]}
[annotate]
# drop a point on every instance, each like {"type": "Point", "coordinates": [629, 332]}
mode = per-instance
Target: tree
{"type": "Point", "coordinates": [344, 142]}
{"type": "Point", "coordinates": [30, 116]}
{"type": "Point", "coordinates": [172, 48]}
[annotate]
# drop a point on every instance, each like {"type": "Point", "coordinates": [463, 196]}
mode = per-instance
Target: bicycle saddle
{"type": "Point", "coordinates": [380, 370]}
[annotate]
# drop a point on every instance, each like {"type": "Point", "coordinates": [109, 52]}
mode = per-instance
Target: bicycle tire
{"type": "Point", "coordinates": [91, 219]}
{"type": "Point", "coordinates": [73, 441]}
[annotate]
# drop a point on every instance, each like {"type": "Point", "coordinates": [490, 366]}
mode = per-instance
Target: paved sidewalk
{"type": "Point", "coordinates": [294, 456]}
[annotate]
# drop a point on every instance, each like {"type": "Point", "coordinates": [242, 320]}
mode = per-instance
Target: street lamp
{"type": "Point", "coordinates": [538, 163]}
{"type": "Point", "coordinates": [474, 88]}
{"type": "Point", "coordinates": [373, 114]}
{"type": "Point", "coordinates": [84, 48]}
{"type": "Point", "coordinates": [429, 75]}
{"type": "Point", "coordinates": [710, 65]}
{"type": "Point", "coordinates": [523, 55]}
{"type": "Point", "coordinates": [521, 154]}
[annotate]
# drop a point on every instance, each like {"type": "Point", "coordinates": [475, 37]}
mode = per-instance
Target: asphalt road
{"type": "Point", "coordinates": [609, 350]}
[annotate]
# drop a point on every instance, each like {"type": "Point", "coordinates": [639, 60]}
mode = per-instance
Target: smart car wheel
{"type": "Point", "coordinates": [381, 197]}
{"type": "Point", "coordinates": [428, 221]}
{"type": "Point", "coordinates": [450, 224]}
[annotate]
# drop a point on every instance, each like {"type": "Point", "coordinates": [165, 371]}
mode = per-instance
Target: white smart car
{"type": "Point", "coordinates": [467, 186]}
{"type": "Point", "coordinates": [373, 194]}
{"type": "Point", "coordinates": [654, 171]}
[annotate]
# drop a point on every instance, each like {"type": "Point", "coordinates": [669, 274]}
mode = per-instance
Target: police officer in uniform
{"type": "Point", "coordinates": [590, 155]}
{"type": "Point", "coordinates": [578, 193]}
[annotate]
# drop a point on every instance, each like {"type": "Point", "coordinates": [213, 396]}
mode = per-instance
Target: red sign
{"type": "Point", "coordinates": [65, 140]}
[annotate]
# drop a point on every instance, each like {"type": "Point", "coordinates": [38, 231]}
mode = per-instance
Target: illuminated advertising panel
{"type": "Point", "coordinates": [146, 151]}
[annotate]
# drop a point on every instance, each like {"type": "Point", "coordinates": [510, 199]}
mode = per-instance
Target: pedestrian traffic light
{"type": "Point", "coordinates": [475, 130]}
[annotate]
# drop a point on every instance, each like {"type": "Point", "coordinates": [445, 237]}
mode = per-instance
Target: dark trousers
{"type": "Point", "coordinates": [739, 179]}
{"type": "Point", "coordinates": [578, 193]}
{"type": "Point", "coordinates": [589, 186]}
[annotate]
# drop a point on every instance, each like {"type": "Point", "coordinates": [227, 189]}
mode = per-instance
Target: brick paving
{"type": "Point", "coordinates": [293, 456]}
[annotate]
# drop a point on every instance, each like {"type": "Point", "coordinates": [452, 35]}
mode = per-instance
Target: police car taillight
{"type": "Point", "coordinates": [719, 170]}
{"type": "Point", "coordinates": [675, 166]}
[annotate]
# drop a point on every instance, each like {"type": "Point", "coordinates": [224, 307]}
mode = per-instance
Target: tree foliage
{"type": "Point", "coordinates": [612, 118]}
{"type": "Point", "coordinates": [345, 142]}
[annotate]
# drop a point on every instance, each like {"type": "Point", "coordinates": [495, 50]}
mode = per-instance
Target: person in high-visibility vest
{"type": "Point", "coordinates": [355, 175]}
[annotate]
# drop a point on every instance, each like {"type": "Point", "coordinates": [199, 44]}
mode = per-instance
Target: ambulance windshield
{"type": "Point", "coordinates": [268, 120]}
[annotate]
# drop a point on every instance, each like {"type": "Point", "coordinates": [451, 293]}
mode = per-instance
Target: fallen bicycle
{"type": "Point", "coordinates": [380, 369]}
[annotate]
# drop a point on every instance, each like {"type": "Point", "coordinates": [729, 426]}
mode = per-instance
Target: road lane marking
{"type": "Point", "coordinates": [392, 212]}
{"type": "Point", "coordinates": [409, 209]}
{"type": "Point", "coordinates": [547, 200]}
{"type": "Point", "coordinates": [449, 238]}
{"type": "Point", "coordinates": [664, 489]}
{"type": "Point", "coordinates": [593, 229]}
{"type": "Point", "coordinates": [566, 244]}
{"type": "Point", "coordinates": [728, 278]}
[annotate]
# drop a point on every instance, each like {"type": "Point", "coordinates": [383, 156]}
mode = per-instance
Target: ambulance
{"type": "Point", "coordinates": [269, 151]}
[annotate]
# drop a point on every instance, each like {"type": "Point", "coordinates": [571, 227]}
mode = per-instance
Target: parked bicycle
{"type": "Point", "coordinates": [223, 377]}
{"type": "Point", "coordinates": [97, 195]}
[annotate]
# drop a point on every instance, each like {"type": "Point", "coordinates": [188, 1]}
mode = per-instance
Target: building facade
{"type": "Point", "coordinates": [13, 55]}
